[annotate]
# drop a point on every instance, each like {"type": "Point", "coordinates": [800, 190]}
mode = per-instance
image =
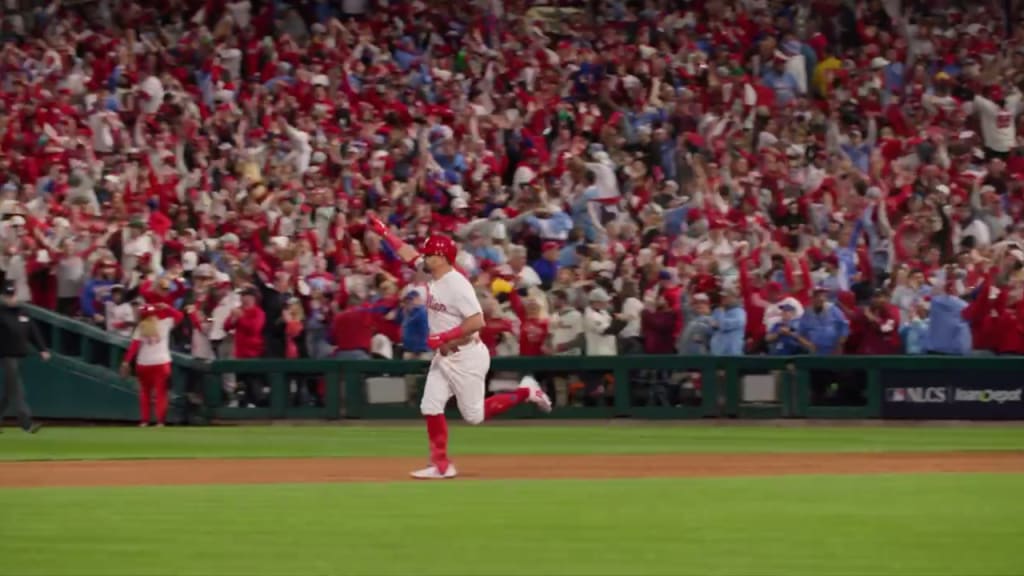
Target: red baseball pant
{"type": "Point", "coordinates": [153, 382]}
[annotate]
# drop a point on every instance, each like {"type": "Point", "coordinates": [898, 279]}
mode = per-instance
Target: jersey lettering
{"type": "Point", "coordinates": [434, 305]}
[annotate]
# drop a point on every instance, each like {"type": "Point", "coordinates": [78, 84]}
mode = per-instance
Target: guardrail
{"type": "Point", "coordinates": [647, 387]}
{"type": "Point", "coordinates": [86, 350]}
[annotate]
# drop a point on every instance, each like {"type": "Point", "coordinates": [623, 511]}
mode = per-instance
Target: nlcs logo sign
{"type": "Point", "coordinates": [918, 395]}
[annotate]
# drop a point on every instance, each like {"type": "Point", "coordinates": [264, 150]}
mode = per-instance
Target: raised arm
{"type": "Point", "coordinates": [787, 269]}
{"type": "Point", "coordinates": [900, 249]}
{"type": "Point", "coordinates": [746, 289]}
{"type": "Point", "coordinates": [884, 226]}
{"type": "Point", "coordinates": [979, 308]}
{"type": "Point", "coordinates": [166, 311]}
{"type": "Point", "coordinates": [872, 131]}
{"type": "Point", "coordinates": [806, 282]}
{"type": "Point", "coordinates": [407, 253]}
{"type": "Point", "coordinates": [516, 302]}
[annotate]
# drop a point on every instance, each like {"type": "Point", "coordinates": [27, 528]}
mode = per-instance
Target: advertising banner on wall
{"type": "Point", "coordinates": [952, 395]}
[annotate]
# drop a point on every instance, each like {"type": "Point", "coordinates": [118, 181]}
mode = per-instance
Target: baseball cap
{"type": "Point", "coordinates": [787, 308]}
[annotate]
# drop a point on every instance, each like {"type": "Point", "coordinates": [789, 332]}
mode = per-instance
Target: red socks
{"type": "Point", "coordinates": [153, 382]}
{"type": "Point", "coordinates": [501, 403]}
{"type": "Point", "coordinates": [437, 426]}
{"type": "Point", "coordinates": [437, 431]}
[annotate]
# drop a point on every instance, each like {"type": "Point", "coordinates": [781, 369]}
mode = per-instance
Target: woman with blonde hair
{"type": "Point", "coordinates": [151, 348]}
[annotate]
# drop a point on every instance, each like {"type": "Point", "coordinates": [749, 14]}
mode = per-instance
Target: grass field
{"type": "Point", "coordinates": [914, 524]}
{"type": "Point", "coordinates": [410, 440]}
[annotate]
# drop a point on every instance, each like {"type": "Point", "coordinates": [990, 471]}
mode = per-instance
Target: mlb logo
{"type": "Point", "coordinates": [897, 395]}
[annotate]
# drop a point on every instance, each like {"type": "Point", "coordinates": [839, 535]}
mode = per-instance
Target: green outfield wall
{"type": "Point", "coordinates": [82, 383]}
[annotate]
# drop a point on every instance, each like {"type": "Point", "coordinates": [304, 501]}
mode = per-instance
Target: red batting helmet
{"type": "Point", "coordinates": [437, 245]}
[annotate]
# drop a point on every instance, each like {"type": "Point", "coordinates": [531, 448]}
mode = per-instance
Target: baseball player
{"type": "Point", "coordinates": [461, 361]}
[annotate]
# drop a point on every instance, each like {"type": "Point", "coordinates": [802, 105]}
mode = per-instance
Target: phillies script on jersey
{"type": "Point", "coordinates": [450, 300]}
{"type": "Point", "coordinates": [434, 305]}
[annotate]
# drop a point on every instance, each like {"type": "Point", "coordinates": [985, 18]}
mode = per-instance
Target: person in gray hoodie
{"type": "Point", "coordinates": [695, 338]}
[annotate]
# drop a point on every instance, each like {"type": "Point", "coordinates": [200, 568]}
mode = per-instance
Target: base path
{"type": "Point", "coordinates": [270, 471]}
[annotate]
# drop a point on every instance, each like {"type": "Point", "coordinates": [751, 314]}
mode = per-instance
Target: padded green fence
{"type": "Point", "coordinates": [82, 380]}
{"type": "Point", "coordinates": [82, 383]}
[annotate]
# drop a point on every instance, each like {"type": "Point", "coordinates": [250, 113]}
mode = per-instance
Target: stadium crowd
{"type": "Point", "coordinates": [698, 177]}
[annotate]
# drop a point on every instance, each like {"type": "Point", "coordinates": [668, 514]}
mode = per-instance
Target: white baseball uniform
{"type": "Point", "coordinates": [450, 300]}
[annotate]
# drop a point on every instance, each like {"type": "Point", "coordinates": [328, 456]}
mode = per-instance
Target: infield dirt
{"type": "Point", "coordinates": [281, 470]}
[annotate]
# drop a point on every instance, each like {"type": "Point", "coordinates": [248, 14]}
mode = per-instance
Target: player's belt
{"type": "Point", "coordinates": [461, 343]}
{"type": "Point", "coordinates": [466, 340]}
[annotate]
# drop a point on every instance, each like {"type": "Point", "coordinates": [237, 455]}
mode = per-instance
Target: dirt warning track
{"type": "Point", "coordinates": [272, 471]}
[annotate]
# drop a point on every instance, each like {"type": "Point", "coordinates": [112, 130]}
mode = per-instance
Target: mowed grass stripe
{"type": "Point", "coordinates": [901, 525]}
{"type": "Point", "coordinates": [56, 443]}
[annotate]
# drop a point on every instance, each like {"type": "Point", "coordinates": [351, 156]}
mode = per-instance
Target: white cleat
{"type": "Point", "coordinates": [432, 473]}
{"type": "Point", "coordinates": [537, 394]}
